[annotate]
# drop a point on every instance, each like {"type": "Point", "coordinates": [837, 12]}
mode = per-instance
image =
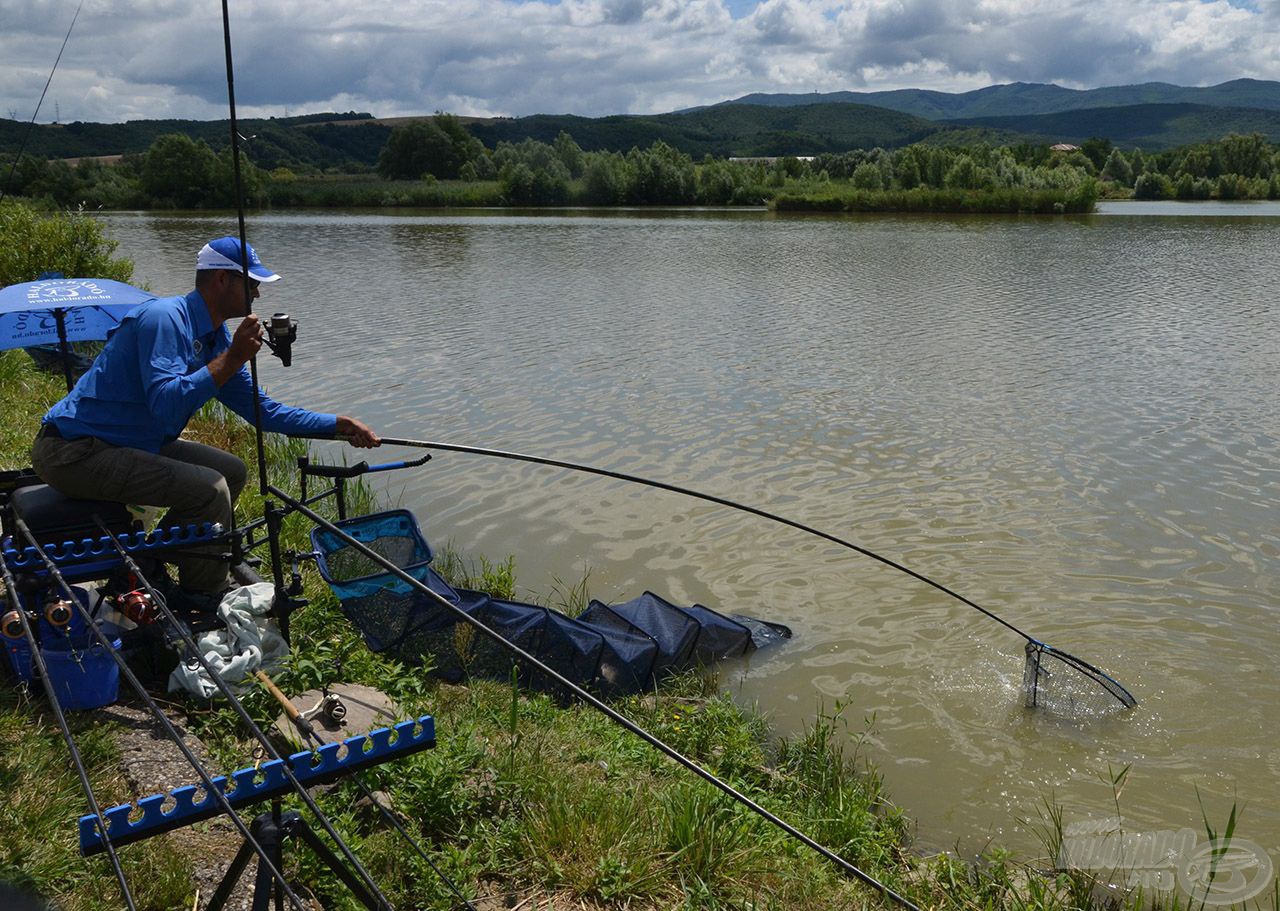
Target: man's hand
{"type": "Point", "coordinates": [357, 433]}
{"type": "Point", "coordinates": [244, 345]}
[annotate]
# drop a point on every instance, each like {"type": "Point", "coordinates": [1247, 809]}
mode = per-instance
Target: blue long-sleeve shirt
{"type": "Point", "coordinates": [154, 374]}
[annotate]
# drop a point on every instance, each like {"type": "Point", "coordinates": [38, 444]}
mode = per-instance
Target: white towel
{"type": "Point", "coordinates": [250, 642]}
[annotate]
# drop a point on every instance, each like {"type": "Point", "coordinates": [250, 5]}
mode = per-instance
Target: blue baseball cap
{"type": "Point", "coordinates": [224, 253]}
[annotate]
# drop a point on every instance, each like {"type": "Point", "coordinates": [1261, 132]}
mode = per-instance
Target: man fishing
{"type": "Point", "coordinates": [115, 436]}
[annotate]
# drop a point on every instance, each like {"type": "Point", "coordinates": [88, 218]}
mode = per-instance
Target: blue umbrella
{"type": "Point", "coordinates": [57, 311]}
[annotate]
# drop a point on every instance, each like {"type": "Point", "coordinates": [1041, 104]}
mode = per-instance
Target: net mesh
{"type": "Point", "coordinates": [1064, 685]}
{"type": "Point", "coordinates": [614, 649]}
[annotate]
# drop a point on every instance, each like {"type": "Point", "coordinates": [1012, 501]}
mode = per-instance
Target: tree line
{"type": "Point", "coordinates": [424, 163]}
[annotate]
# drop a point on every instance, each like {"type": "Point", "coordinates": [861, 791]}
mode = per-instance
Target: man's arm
{"type": "Point", "coordinates": [162, 349]}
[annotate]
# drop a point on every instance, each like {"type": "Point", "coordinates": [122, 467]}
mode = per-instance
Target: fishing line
{"type": "Point", "coordinates": [37, 660]}
{"type": "Point", "coordinates": [32, 125]}
{"type": "Point", "coordinates": [242, 713]}
{"type": "Point", "coordinates": [1037, 671]}
{"type": "Point", "coordinates": [595, 703]}
{"type": "Point", "coordinates": [178, 741]}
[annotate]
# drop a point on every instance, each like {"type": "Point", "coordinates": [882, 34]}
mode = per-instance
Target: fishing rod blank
{"type": "Point", "coordinates": [1052, 678]}
{"type": "Point", "coordinates": [238, 707]}
{"type": "Point", "coordinates": [38, 663]}
{"type": "Point", "coordinates": [609, 712]}
{"type": "Point", "coordinates": [205, 779]}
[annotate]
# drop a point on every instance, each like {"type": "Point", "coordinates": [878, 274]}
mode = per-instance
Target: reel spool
{"type": "Point", "coordinates": [58, 612]}
{"type": "Point", "coordinates": [11, 625]}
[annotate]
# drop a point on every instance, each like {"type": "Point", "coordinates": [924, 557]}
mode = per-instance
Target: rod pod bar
{"type": "Point", "coordinates": [205, 778]}
{"type": "Point", "coordinates": [308, 732]}
{"type": "Point", "coordinates": [238, 707]}
{"type": "Point", "coordinates": [609, 712]}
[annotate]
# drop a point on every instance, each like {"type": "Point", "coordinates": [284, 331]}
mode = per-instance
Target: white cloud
{"type": "Point", "coordinates": [163, 58]}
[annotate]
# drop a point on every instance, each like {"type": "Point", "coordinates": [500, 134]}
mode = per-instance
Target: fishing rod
{"type": "Point", "coordinates": [264, 860]}
{"type": "Point", "coordinates": [600, 706]}
{"type": "Point", "coordinates": [244, 716]}
{"type": "Point", "coordinates": [244, 244]}
{"type": "Point", "coordinates": [1036, 649]}
{"type": "Point", "coordinates": [41, 668]}
{"type": "Point", "coordinates": [32, 124]}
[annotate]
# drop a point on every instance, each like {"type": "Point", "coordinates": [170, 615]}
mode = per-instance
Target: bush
{"type": "Point", "coordinates": [1152, 185]}
{"type": "Point", "coordinates": [66, 242]}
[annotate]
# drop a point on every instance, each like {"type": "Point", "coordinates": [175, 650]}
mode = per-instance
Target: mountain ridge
{"type": "Point", "coordinates": [1031, 98]}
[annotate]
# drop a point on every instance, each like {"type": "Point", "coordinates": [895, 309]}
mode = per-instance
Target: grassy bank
{"type": "Point", "coordinates": [997, 201]}
{"type": "Point", "coordinates": [522, 802]}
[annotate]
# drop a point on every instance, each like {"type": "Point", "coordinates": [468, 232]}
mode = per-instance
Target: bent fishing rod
{"type": "Point", "coordinates": [591, 700]}
{"type": "Point", "coordinates": [38, 664]}
{"type": "Point", "coordinates": [697, 495]}
{"type": "Point", "coordinates": [255, 730]}
{"type": "Point", "coordinates": [1035, 647]}
{"type": "Point", "coordinates": [153, 707]}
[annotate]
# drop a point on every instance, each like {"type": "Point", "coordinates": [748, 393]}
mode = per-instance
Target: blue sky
{"type": "Point", "coordinates": [131, 59]}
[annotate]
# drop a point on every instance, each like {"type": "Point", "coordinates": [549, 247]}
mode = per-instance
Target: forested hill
{"type": "Point", "coordinates": [321, 140]}
{"type": "Point", "coordinates": [1147, 126]}
{"type": "Point", "coordinates": [1029, 98]}
{"type": "Point", "coordinates": [349, 139]}
{"type": "Point", "coordinates": [739, 130]}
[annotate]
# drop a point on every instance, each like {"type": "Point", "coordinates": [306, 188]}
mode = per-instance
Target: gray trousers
{"type": "Point", "coordinates": [195, 482]}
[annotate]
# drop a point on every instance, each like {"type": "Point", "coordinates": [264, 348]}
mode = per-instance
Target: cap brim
{"type": "Point", "coordinates": [262, 275]}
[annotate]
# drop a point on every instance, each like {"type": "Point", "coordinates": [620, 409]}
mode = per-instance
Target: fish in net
{"type": "Point", "coordinates": [1064, 685]}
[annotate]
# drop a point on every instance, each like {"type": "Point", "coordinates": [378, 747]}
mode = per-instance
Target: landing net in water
{"type": "Point", "coordinates": [1064, 685]}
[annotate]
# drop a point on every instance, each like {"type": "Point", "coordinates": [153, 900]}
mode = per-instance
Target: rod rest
{"type": "Point", "coordinates": [99, 548]}
{"type": "Point", "coordinates": [253, 785]}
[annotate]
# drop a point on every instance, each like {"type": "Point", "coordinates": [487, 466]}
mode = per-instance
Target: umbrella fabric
{"type": "Point", "coordinates": [93, 307]}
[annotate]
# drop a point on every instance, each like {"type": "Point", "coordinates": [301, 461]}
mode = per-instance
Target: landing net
{"type": "Point", "coordinates": [1064, 685]}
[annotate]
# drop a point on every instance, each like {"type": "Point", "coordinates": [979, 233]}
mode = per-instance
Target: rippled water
{"type": "Point", "coordinates": [1072, 421]}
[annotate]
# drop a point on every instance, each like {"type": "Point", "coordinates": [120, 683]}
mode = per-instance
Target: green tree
{"type": "Point", "coordinates": [1152, 185]}
{"type": "Point", "coordinates": [570, 154]}
{"type": "Point", "coordinates": [69, 242]}
{"type": "Point", "coordinates": [1098, 150]}
{"type": "Point", "coordinates": [964, 175]}
{"type": "Point", "coordinates": [661, 175]}
{"type": "Point", "coordinates": [1249, 156]}
{"type": "Point", "coordinates": [1117, 168]}
{"type": "Point", "coordinates": [439, 146]}
{"type": "Point", "coordinates": [867, 177]}
{"type": "Point", "coordinates": [605, 178]}
{"type": "Point", "coordinates": [178, 171]}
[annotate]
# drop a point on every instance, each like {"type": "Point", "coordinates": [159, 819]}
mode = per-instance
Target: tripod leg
{"type": "Point", "coordinates": [223, 892]}
{"type": "Point", "coordinates": [296, 825]}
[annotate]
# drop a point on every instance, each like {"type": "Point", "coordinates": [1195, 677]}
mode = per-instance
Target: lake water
{"type": "Point", "coordinates": [1072, 421]}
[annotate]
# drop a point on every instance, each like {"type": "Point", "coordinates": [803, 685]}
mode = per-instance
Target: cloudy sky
{"type": "Point", "coordinates": [131, 59]}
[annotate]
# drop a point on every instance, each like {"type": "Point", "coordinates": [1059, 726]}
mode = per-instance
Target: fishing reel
{"type": "Point", "coordinates": [11, 625]}
{"type": "Point", "coordinates": [57, 611]}
{"type": "Point", "coordinates": [282, 332]}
